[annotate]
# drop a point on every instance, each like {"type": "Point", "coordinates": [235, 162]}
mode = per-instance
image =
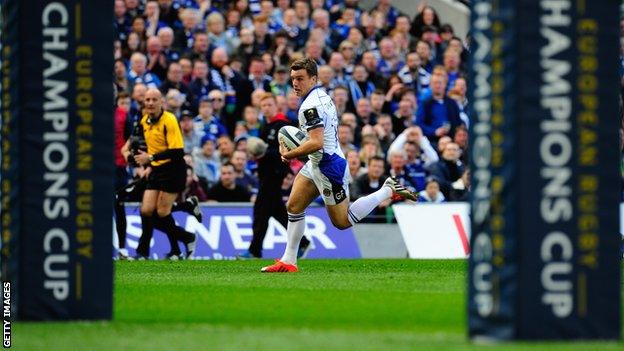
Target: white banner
{"type": "Point", "coordinates": [435, 230]}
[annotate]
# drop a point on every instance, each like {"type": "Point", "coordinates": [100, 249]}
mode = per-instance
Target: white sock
{"type": "Point", "coordinates": [294, 232]}
{"type": "Point", "coordinates": [365, 205]}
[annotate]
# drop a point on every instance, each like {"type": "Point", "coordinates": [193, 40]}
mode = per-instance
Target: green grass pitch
{"type": "Point", "coordinates": [328, 305]}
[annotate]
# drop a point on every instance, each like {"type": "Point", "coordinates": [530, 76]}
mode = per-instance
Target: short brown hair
{"type": "Point", "coordinates": [305, 63]}
{"type": "Point", "coordinates": [267, 96]}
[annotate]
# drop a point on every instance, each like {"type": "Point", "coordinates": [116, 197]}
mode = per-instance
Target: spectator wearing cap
{"type": "Point", "coordinates": [390, 63]}
{"type": "Point", "coordinates": [430, 35]}
{"type": "Point", "coordinates": [166, 37]}
{"type": "Point", "coordinates": [174, 81]}
{"type": "Point", "coordinates": [138, 72]}
{"type": "Point", "coordinates": [200, 84]}
{"type": "Point", "coordinates": [206, 162]}
{"type": "Point", "coordinates": [438, 115]}
{"type": "Point", "coordinates": [446, 34]}
{"type": "Point", "coordinates": [257, 77]}
{"type": "Point", "coordinates": [427, 16]}
{"type": "Point", "coordinates": [448, 169]}
{"type": "Point", "coordinates": [431, 193]}
{"type": "Point", "coordinates": [207, 122]}
{"type": "Point", "coordinates": [226, 190]}
{"type": "Point", "coordinates": [190, 135]}
{"type": "Point", "coordinates": [280, 85]}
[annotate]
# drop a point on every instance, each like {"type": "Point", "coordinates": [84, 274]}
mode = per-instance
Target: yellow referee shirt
{"type": "Point", "coordinates": [163, 135]}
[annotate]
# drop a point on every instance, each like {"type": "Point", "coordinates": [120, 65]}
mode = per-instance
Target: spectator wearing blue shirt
{"type": "Point", "coordinates": [207, 122]}
{"type": "Point", "coordinates": [206, 162]}
{"type": "Point", "coordinates": [431, 193]}
{"type": "Point", "coordinates": [452, 63]}
{"type": "Point", "coordinates": [389, 63]}
{"type": "Point", "coordinates": [122, 21]}
{"type": "Point", "coordinates": [419, 154]}
{"type": "Point", "coordinates": [184, 36]}
{"type": "Point", "coordinates": [138, 72]}
{"type": "Point", "coordinates": [190, 135]}
{"type": "Point", "coordinates": [200, 84]}
{"type": "Point", "coordinates": [345, 22]}
{"type": "Point", "coordinates": [397, 161]}
{"type": "Point", "coordinates": [390, 12]}
{"type": "Point", "coordinates": [152, 21]}
{"type": "Point", "coordinates": [439, 115]}
{"type": "Point", "coordinates": [166, 37]}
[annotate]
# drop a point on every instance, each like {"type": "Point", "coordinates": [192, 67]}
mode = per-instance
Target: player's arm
{"type": "Point", "coordinates": [314, 143]}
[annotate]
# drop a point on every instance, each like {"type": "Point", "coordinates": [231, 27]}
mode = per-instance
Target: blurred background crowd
{"type": "Point", "coordinates": [398, 83]}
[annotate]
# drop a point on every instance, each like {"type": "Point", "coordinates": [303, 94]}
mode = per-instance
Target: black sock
{"type": "Point", "coordinates": [120, 223]}
{"type": "Point", "coordinates": [173, 243]}
{"type": "Point", "coordinates": [170, 227]}
{"type": "Point", "coordinates": [147, 223]}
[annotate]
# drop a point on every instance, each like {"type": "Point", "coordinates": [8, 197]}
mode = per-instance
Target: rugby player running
{"type": "Point", "coordinates": [326, 172]}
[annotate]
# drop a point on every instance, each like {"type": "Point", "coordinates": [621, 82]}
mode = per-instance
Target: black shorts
{"type": "Point", "coordinates": [170, 177]}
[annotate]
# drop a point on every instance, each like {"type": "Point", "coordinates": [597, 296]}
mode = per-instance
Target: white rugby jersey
{"type": "Point", "coordinates": [318, 110]}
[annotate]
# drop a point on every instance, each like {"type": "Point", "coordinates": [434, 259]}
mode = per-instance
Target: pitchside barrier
{"type": "Point", "coordinates": [57, 159]}
{"type": "Point", "coordinates": [545, 260]}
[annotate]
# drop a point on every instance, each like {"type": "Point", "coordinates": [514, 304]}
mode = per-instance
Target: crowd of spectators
{"type": "Point", "coordinates": [398, 84]}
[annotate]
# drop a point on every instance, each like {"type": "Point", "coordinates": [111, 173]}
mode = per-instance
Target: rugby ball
{"type": "Point", "coordinates": [291, 137]}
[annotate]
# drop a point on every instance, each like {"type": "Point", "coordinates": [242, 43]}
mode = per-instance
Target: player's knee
{"type": "Point", "coordinates": [147, 210]}
{"type": "Point", "coordinates": [341, 224]}
{"type": "Point", "coordinates": [163, 211]}
{"type": "Point", "coordinates": [293, 208]}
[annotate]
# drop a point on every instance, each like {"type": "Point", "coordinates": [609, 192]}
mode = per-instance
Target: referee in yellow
{"type": "Point", "coordinates": [166, 176]}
